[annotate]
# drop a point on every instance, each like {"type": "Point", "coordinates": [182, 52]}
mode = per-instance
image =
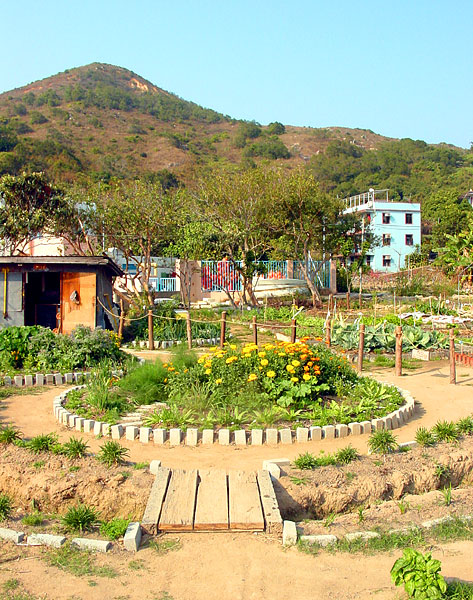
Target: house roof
{"type": "Point", "coordinates": [86, 261]}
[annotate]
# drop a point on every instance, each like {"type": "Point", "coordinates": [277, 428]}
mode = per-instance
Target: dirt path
{"type": "Point", "coordinates": [220, 566]}
{"type": "Point", "coordinates": [429, 386]}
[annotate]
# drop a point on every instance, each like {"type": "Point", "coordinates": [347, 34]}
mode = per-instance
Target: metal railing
{"type": "Point", "coordinates": [163, 284]}
{"type": "Point", "coordinates": [274, 269]}
{"type": "Point", "coordinates": [361, 199]}
{"type": "Point", "coordinates": [317, 270]}
{"type": "Point", "coordinates": [218, 275]}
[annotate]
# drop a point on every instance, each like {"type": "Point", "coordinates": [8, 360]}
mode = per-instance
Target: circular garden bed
{"type": "Point", "coordinates": [275, 385]}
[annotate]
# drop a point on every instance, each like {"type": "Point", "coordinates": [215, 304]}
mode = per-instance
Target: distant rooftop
{"type": "Point", "coordinates": [367, 199]}
{"type": "Point", "coordinates": [90, 261]}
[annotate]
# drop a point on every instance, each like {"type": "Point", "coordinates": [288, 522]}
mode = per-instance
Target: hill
{"type": "Point", "coordinates": [101, 121]}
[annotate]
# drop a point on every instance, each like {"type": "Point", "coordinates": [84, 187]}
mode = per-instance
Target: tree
{"type": "Point", "coordinates": [31, 206]}
{"type": "Point", "coordinates": [457, 253]}
{"type": "Point", "coordinates": [238, 205]}
{"type": "Point", "coordinates": [444, 214]}
{"type": "Point", "coordinates": [139, 219]}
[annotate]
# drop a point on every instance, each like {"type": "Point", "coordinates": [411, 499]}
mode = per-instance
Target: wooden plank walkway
{"type": "Point", "coordinates": [211, 500]}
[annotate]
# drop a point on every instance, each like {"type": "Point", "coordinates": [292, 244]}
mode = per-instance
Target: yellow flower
{"type": "Point", "coordinates": [261, 354]}
{"type": "Point", "coordinates": [252, 377]}
{"type": "Point", "coordinates": [218, 381]}
{"type": "Point", "coordinates": [290, 369]}
{"type": "Point", "coordinates": [306, 377]}
{"type": "Point", "coordinates": [233, 346]}
{"type": "Point", "coordinates": [229, 361]}
{"type": "Point", "coordinates": [208, 371]}
{"type": "Point", "coordinates": [270, 374]}
{"type": "Point", "coordinates": [166, 380]}
{"type": "Point", "coordinates": [208, 364]}
{"type": "Point", "coordinates": [264, 362]}
{"type": "Point", "coordinates": [281, 354]}
{"type": "Point", "coordinates": [294, 379]}
{"type": "Point", "coordinates": [296, 363]}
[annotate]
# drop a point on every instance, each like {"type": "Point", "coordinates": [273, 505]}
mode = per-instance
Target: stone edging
{"type": "Point", "coordinates": [225, 437]}
{"type": "Point", "coordinates": [291, 533]}
{"type": "Point", "coordinates": [39, 379]}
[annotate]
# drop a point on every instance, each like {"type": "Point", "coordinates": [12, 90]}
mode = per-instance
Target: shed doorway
{"type": "Point", "coordinates": [42, 299]}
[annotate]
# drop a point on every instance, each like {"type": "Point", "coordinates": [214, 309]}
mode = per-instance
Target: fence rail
{"type": "Point", "coordinates": [318, 271]}
{"type": "Point", "coordinates": [163, 284]}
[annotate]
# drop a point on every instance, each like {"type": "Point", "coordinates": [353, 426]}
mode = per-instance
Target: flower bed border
{"type": "Point", "coordinates": [40, 379]}
{"type": "Point", "coordinates": [255, 437]}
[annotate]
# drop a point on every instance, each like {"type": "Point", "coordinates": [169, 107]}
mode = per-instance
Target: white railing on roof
{"type": "Point", "coordinates": [370, 196]}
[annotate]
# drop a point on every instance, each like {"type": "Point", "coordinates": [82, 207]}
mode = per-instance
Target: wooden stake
{"type": "Point", "coordinates": [150, 330]}
{"type": "Point", "coordinates": [348, 300]}
{"type": "Point", "coordinates": [293, 331]}
{"type": "Point", "coordinates": [223, 328]}
{"type": "Point", "coordinates": [189, 330]}
{"type": "Point", "coordinates": [330, 303]}
{"type": "Point", "coordinates": [121, 320]}
{"type": "Point", "coordinates": [361, 347]}
{"type": "Point", "coordinates": [453, 369]}
{"type": "Point", "coordinates": [255, 332]}
{"type": "Point", "coordinates": [398, 366]}
{"type": "Point", "coordinates": [328, 333]}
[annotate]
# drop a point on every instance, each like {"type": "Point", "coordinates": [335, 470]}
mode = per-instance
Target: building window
{"type": "Point", "coordinates": [386, 239]}
{"type": "Point", "coordinates": [386, 260]}
{"type": "Point", "coordinates": [409, 239]}
{"type": "Point", "coordinates": [386, 218]}
{"type": "Point", "coordinates": [369, 258]}
{"type": "Point", "coordinates": [408, 218]}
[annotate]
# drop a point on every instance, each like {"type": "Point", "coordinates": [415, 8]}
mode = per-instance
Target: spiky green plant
{"type": "Point", "coordinates": [424, 437]}
{"type": "Point", "coordinates": [445, 431]}
{"type": "Point", "coordinates": [75, 448]}
{"type": "Point", "coordinates": [382, 442]}
{"type": "Point", "coordinates": [45, 442]}
{"type": "Point", "coordinates": [8, 434]}
{"type": "Point", "coordinates": [6, 506]}
{"type": "Point", "coordinates": [112, 453]}
{"type": "Point", "coordinates": [305, 461]}
{"type": "Point", "coordinates": [80, 518]}
{"type": "Point", "coordinates": [346, 455]}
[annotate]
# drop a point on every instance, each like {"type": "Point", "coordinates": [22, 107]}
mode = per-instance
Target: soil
{"type": "Point", "coordinates": [52, 487]}
{"type": "Point", "coordinates": [369, 480]}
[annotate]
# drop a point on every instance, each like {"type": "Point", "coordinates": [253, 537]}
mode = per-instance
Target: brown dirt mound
{"type": "Point", "coordinates": [52, 487]}
{"type": "Point", "coordinates": [370, 479]}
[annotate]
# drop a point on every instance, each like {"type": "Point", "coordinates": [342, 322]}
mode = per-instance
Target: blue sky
{"type": "Point", "coordinates": [402, 69]}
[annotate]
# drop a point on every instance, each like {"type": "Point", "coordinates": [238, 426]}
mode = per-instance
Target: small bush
{"type": "Point", "coordinates": [112, 453]}
{"type": "Point", "coordinates": [115, 528]}
{"type": "Point", "coordinates": [420, 575]}
{"type": "Point", "coordinates": [464, 426]}
{"type": "Point", "coordinates": [45, 442]}
{"type": "Point", "coordinates": [80, 518]}
{"type": "Point", "coordinates": [445, 431]}
{"type": "Point", "coordinates": [382, 442]}
{"type": "Point", "coordinates": [8, 434]}
{"type": "Point", "coordinates": [74, 448]}
{"type": "Point", "coordinates": [424, 437]}
{"type": "Point", "coordinates": [6, 506]}
{"type": "Point", "coordinates": [306, 461]}
{"type": "Point", "coordinates": [34, 519]}
{"type": "Point", "coordinates": [346, 455]}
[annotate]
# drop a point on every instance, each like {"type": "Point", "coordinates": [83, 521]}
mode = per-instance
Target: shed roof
{"type": "Point", "coordinates": [88, 261]}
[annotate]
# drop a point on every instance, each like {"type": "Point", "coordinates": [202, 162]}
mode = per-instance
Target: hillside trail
{"type": "Point", "coordinates": [437, 400]}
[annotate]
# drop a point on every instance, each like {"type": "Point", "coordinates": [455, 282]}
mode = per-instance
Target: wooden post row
{"type": "Point", "coordinates": [150, 330]}
{"type": "Point", "coordinates": [398, 367]}
{"type": "Point", "coordinates": [328, 333]}
{"type": "Point", "coordinates": [361, 347]}
{"type": "Point", "coordinates": [453, 370]}
{"type": "Point", "coordinates": [223, 328]}
{"type": "Point", "coordinates": [189, 330]}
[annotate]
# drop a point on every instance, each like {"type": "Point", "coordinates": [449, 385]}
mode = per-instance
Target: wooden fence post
{"type": "Point", "coordinates": [453, 369]}
{"type": "Point", "coordinates": [398, 366]}
{"type": "Point", "coordinates": [330, 303]}
{"type": "Point", "coordinates": [223, 328]}
{"type": "Point", "coordinates": [361, 347]}
{"type": "Point", "coordinates": [121, 320]}
{"type": "Point", "coordinates": [293, 331]}
{"type": "Point", "coordinates": [150, 330]}
{"type": "Point", "coordinates": [189, 330]}
{"type": "Point", "coordinates": [348, 300]}
{"type": "Point", "coordinates": [328, 333]}
{"type": "Point", "coordinates": [255, 332]}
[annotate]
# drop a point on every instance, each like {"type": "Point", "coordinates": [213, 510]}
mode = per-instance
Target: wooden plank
{"type": "Point", "coordinates": [244, 502]}
{"type": "Point", "coordinates": [149, 523]}
{"type": "Point", "coordinates": [211, 511]}
{"type": "Point", "coordinates": [179, 504]}
{"type": "Point", "coordinates": [271, 513]}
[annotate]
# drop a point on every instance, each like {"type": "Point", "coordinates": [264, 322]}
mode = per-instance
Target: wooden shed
{"type": "Point", "coordinates": [59, 292]}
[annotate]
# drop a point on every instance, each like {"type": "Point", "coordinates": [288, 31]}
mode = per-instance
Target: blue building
{"type": "Point", "coordinates": [397, 226]}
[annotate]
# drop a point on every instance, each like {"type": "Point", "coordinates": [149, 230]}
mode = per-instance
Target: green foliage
{"type": "Point", "coordinates": [77, 562]}
{"type": "Point", "coordinates": [34, 519]}
{"type": "Point", "coordinates": [115, 528]}
{"type": "Point", "coordinates": [445, 431]}
{"type": "Point", "coordinates": [346, 455]}
{"type": "Point", "coordinates": [306, 461]}
{"type": "Point", "coordinates": [447, 495]}
{"type": "Point", "coordinates": [424, 437]}
{"type": "Point", "coordinates": [276, 128]}
{"type": "Point", "coordinates": [75, 448]}
{"type": "Point", "coordinates": [112, 453]}
{"type": "Point", "coordinates": [9, 434]}
{"type": "Point", "coordinates": [382, 442]}
{"type": "Point", "coordinates": [45, 442]}
{"type": "Point", "coordinates": [420, 575]}
{"type": "Point", "coordinates": [80, 518]}
{"type": "Point", "coordinates": [6, 506]}
{"type": "Point", "coordinates": [271, 148]}
{"type": "Point", "coordinates": [464, 426]}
